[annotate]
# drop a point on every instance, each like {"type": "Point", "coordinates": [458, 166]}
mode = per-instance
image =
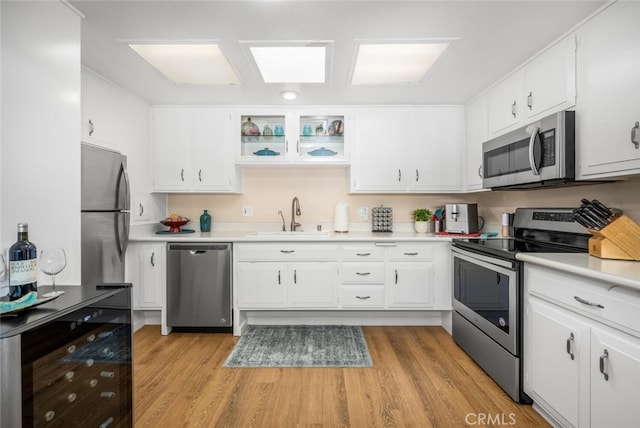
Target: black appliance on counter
{"type": "Point", "coordinates": [68, 363]}
{"type": "Point", "coordinates": [488, 289]}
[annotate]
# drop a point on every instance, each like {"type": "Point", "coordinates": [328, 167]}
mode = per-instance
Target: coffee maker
{"type": "Point", "coordinates": [461, 218]}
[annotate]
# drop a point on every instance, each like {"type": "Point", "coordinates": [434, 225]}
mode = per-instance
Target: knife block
{"type": "Point", "coordinates": [620, 240]}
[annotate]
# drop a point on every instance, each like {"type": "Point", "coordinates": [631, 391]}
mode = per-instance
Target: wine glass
{"type": "Point", "coordinates": [52, 262]}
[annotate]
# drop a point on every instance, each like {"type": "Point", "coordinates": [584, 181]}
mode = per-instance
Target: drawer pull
{"type": "Point", "coordinates": [363, 273]}
{"type": "Point", "coordinates": [363, 297]}
{"type": "Point", "coordinates": [410, 254]}
{"type": "Point", "coordinates": [287, 251]}
{"type": "Point", "coordinates": [363, 254]}
{"type": "Point", "coordinates": [603, 359]}
{"type": "Point", "coordinates": [570, 342]}
{"type": "Point", "coordinates": [588, 303]}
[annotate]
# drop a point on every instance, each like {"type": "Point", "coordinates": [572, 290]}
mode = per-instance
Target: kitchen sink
{"type": "Point", "coordinates": [289, 234]}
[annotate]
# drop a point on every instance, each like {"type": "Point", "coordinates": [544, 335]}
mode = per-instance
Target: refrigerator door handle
{"type": "Point", "coordinates": [122, 175]}
{"type": "Point", "coordinates": [122, 234]}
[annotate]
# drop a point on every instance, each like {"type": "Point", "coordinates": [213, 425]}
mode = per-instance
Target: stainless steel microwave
{"type": "Point", "coordinates": [540, 154]}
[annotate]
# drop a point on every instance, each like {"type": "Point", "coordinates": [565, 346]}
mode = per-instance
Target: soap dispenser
{"type": "Point", "coordinates": [205, 222]}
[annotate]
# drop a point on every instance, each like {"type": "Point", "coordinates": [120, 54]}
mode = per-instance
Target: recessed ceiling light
{"type": "Point", "coordinates": [291, 64]}
{"type": "Point", "coordinates": [189, 64]}
{"type": "Point", "coordinates": [395, 63]}
{"type": "Point", "coordinates": [289, 95]}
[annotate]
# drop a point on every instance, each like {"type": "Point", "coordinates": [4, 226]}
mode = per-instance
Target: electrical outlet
{"type": "Point", "coordinates": [247, 211]}
{"type": "Point", "coordinates": [363, 212]}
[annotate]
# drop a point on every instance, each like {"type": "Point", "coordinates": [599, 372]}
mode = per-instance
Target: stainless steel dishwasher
{"type": "Point", "coordinates": [199, 285]}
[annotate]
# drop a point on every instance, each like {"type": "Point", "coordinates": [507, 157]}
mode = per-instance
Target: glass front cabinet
{"type": "Point", "coordinates": [293, 138]}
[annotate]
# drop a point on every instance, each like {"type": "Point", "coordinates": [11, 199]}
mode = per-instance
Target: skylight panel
{"type": "Point", "coordinates": [395, 63]}
{"type": "Point", "coordinates": [189, 64]}
{"type": "Point", "coordinates": [291, 64]}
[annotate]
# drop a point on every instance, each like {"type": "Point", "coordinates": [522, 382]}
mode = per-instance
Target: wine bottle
{"type": "Point", "coordinates": [23, 265]}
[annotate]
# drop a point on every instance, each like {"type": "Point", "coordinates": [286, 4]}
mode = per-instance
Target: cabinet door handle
{"type": "Point", "coordinates": [279, 282]}
{"type": "Point", "coordinates": [286, 145]}
{"type": "Point", "coordinates": [513, 109]}
{"type": "Point", "coordinates": [480, 171]}
{"type": "Point", "coordinates": [287, 251]}
{"type": "Point", "coordinates": [635, 137]}
{"type": "Point", "coordinates": [530, 100]}
{"type": "Point", "coordinates": [588, 303]}
{"type": "Point", "coordinates": [570, 342]}
{"type": "Point", "coordinates": [396, 276]}
{"type": "Point", "coordinates": [417, 175]}
{"type": "Point", "coordinates": [200, 175]}
{"type": "Point", "coordinates": [363, 297]}
{"type": "Point", "coordinates": [603, 361]}
{"type": "Point", "coordinates": [410, 254]}
{"type": "Point", "coordinates": [363, 273]}
{"type": "Point", "coordinates": [363, 254]}
{"type": "Point", "coordinates": [399, 176]}
{"type": "Point", "coordinates": [182, 174]}
{"type": "Point", "coordinates": [91, 128]}
{"type": "Point", "coordinates": [153, 259]}
{"type": "Point", "coordinates": [141, 209]}
{"type": "Point", "coordinates": [295, 276]}
{"type": "Point", "coordinates": [298, 146]}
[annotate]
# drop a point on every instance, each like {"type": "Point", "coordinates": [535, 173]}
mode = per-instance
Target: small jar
{"type": "Point", "coordinates": [205, 222]}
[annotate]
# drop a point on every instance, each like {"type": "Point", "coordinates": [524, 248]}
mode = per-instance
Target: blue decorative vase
{"type": "Point", "coordinates": [205, 222]}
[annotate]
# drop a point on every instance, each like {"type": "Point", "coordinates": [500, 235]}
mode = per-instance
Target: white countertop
{"type": "Point", "coordinates": [253, 236]}
{"type": "Point", "coordinates": [619, 272]}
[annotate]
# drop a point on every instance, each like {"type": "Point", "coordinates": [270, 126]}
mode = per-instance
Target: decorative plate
{"type": "Point", "coordinates": [24, 303]}
{"type": "Point", "coordinates": [266, 152]}
{"type": "Point", "coordinates": [322, 152]}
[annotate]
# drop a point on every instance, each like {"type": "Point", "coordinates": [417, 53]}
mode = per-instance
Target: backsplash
{"type": "Point", "coordinates": [268, 190]}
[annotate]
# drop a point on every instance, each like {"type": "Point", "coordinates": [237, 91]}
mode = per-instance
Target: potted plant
{"type": "Point", "coordinates": [423, 222]}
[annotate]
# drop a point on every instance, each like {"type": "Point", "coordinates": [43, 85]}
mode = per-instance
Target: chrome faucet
{"type": "Point", "coordinates": [295, 210]}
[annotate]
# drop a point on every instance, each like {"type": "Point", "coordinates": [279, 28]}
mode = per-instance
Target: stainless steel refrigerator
{"type": "Point", "coordinates": [105, 215]}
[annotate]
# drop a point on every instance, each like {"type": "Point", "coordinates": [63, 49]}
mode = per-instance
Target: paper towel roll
{"type": "Point", "coordinates": [341, 217]}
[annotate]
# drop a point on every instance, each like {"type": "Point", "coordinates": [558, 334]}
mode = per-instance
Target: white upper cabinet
{"type": "Point", "coordinates": [272, 136]}
{"type": "Point", "coordinates": [102, 116]}
{"type": "Point", "coordinates": [191, 150]}
{"type": "Point", "coordinates": [435, 140]}
{"type": "Point", "coordinates": [543, 86]}
{"type": "Point", "coordinates": [608, 107]}
{"type": "Point", "coordinates": [400, 149]}
{"type": "Point", "coordinates": [476, 125]}
{"type": "Point", "coordinates": [382, 135]}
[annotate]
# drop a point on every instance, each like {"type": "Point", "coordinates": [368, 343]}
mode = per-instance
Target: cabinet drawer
{"type": "Point", "coordinates": [285, 252]}
{"type": "Point", "coordinates": [362, 273]}
{"type": "Point", "coordinates": [363, 253]}
{"type": "Point", "coordinates": [361, 297]}
{"type": "Point", "coordinates": [598, 300]}
{"type": "Point", "coordinates": [412, 252]}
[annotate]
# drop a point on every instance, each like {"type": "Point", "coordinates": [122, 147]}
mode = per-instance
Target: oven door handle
{"type": "Point", "coordinates": [482, 260]}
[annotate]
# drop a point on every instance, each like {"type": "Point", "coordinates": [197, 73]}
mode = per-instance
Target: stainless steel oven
{"type": "Point", "coordinates": [487, 290]}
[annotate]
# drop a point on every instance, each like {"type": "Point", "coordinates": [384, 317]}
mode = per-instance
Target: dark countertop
{"type": "Point", "coordinates": [75, 297]}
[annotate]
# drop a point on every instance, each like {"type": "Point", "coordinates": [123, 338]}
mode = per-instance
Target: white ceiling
{"type": "Point", "coordinates": [493, 38]}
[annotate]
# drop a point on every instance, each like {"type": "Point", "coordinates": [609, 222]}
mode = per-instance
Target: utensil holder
{"type": "Point", "coordinates": [620, 240]}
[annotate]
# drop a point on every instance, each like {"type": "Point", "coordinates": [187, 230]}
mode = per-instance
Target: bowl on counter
{"type": "Point", "coordinates": [175, 225]}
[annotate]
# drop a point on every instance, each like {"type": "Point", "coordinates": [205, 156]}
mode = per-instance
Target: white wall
{"type": "Point", "coordinates": [40, 155]}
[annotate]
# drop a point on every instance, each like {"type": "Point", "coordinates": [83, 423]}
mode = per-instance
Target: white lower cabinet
{"type": "Point", "coordinates": [580, 367]}
{"type": "Point", "coordinates": [348, 276]}
{"type": "Point", "coordinates": [146, 271]}
{"type": "Point", "coordinates": [287, 285]}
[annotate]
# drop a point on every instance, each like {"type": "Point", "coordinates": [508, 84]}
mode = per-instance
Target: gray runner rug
{"type": "Point", "coordinates": [301, 346]}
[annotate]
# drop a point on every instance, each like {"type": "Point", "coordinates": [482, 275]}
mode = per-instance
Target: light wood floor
{"type": "Point", "coordinates": [420, 379]}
